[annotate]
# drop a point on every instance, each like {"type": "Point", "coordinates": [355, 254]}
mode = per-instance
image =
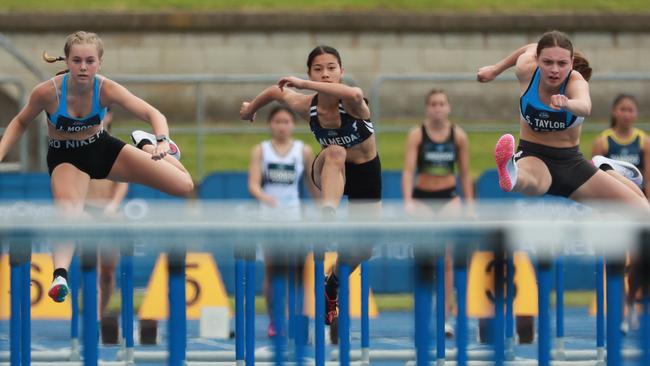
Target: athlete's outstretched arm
{"type": "Point", "coordinates": [18, 125]}
{"type": "Point", "coordinates": [115, 93]}
{"type": "Point", "coordinates": [296, 102]}
{"type": "Point", "coordinates": [255, 178]}
{"type": "Point", "coordinates": [351, 96]}
{"type": "Point", "coordinates": [490, 72]}
{"type": "Point", "coordinates": [410, 160]}
{"type": "Point", "coordinates": [462, 143]}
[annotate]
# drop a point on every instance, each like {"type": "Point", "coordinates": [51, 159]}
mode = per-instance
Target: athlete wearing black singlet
{"type": "Point", "coordinates": [436, 159]}
{"type": "Point", "coordinates": [435, 152]}
{"type": "Point", "coordinates": [362, 181]}
{"type": "Point", "coordinates": [348, 162]}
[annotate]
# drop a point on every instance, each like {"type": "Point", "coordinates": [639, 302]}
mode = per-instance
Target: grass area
{"type": "Point", "coordinates": [385, 302]}
{"type": "Point", "coordinates": [417, 5]}
{"type": "Point", "coordinates": [227, 152]}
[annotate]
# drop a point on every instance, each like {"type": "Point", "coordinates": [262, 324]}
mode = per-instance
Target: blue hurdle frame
{"type": "Point", "coordinates": [20, 331]}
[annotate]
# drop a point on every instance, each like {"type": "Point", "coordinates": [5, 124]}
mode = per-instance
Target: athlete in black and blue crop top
{"type": "Point", "coordinates": [540, 117]}
{"type": "Point", "coordinates": [339, 117]}
{"type": "Point", "coordinates": [433, 150]}
{"type": "Point", "coordinates": [554, 101]}
{"type": "Point", "coordinates": [63, 121]}
{"type": "Point", "coordinates": [94, 155]}
{"type": "Point", "coordinates": [81, 150]}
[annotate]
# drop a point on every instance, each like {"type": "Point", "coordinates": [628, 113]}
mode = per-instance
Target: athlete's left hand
{"type": "Point", "coordinates": [160, 151]}
{"type": "Point", "coordinates": [559, 101]}
{"type": "Point", "coordinates": [292, 82]}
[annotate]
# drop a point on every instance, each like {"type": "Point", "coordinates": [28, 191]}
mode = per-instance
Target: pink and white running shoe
{"type": "Point", "coordinates": [504, 155]}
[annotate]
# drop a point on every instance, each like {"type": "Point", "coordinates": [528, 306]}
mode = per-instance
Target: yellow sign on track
{"type": "Point", "coordinates": [203, 287]}
{"type": "Point", "coordinates": [480, 298]}
{"type": "Point", "coordinates": [42, 307]}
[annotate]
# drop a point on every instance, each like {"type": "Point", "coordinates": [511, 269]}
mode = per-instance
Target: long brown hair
{"type": "Point", "coordinates": [559, 39]}
{"type": "Point", "coordinates": [554, 39]}
{"type": "Point", "coordinates": [581, 65]}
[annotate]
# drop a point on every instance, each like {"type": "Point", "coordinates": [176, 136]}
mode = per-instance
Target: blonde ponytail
{"type": "Point", "coordinates": [52, 59]}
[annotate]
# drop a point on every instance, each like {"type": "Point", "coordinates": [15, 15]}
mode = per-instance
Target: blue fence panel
{"type": "Point", "coordinates": [234, 185]}
{"type": "Point", "coordinates": [224, 185]}
{"type": "Point", "coordinates": [25, 186]}
{"type": "Point", "coordinates": [137, 191]}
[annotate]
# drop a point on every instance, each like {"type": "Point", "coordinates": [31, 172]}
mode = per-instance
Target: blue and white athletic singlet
{"type": "Point", "coordinates": [62, 121]}
{"type": "Point", "coordinates": [540, 117]}
{"type": "Point", "coordinates": [281, 176]}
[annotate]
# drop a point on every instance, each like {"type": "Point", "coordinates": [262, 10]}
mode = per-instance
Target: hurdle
{"type": "Point", "coordinates": [503, 237]}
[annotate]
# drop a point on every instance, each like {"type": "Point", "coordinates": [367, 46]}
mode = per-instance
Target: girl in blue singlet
{"type": "Point", "coordinates": [80, 149]}
{"type": "Point", "coordinates": [554, 101]}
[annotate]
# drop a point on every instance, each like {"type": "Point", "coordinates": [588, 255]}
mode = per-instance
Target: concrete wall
{"type": "Point", "coordinates": [367, 53]}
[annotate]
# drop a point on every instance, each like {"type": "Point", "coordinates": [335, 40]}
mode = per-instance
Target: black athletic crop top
{"type": "Point", "coordinates": [353, 131]}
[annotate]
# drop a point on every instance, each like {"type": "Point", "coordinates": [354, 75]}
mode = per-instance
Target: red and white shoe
{"type": "Point", "coordinates": [449, 330]}
{"type": "Point", "coordinates": [271, 332]}
{"type": "Point", "coordinates": [141, 138]}
{"type": "Point", "coordinates": [504, 155]}
{"type": "Point", "coordinates": [59, 289]}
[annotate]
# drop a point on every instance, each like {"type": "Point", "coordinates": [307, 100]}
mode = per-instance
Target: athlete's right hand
{"type": "Point", "coordinates": [245, 112]}
{"type": "Point", "coordinates": [486, 74]}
